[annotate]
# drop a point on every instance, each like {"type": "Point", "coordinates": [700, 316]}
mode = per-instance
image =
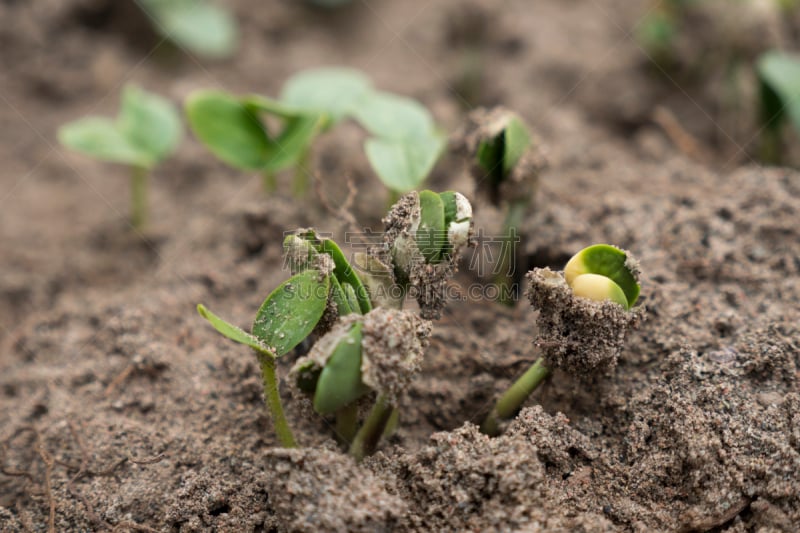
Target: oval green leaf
{"type": "Point", "coordinates": [340, 382]}
{"type": "Point", "coordinates": [291, 312]}
{"type": "Point", "coordinates": [201, 27]}
{"type": "Point", "coordinates": [150, 122]}
{"type": "Point", "coordinates": [229, 129]}
{"type": "Point", "coordinates": [402, 165]}
{"type": "Point", "coordinates": [390, 116]}
{"type": "Point", "coordinates": [345, 273]}
{"type": "Point", "coordinates": [333, 91]}
{"type": "Point", "coordinates": [99, 137]}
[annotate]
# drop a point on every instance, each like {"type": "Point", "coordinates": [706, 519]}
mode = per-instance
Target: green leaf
{"type": "Point", "coordinates": [402, 165]}
{"type": "Point", "coordinates": [431, 235]}
{"type": "Point", "coordinates": [291, 312]}
{"type": "Point", "coordinates": [203, 28]}
{"type": "Point", "coordinates": [99, 137]}
{"type": "Point", "coordinates": [150, 122]}
{"type": "Point", "coordinates": [517, 142]}
{"type": "Point", "coordinates": [350, 295]}
{"type": "Point", "coordinates": [340, 381]}
{"type": "Point", "coordinates": [334, 91]}
{"type": "Point", "coordinates": [345, 273]}
{"type": "Point", "coordinates": [232, 332]}
{"type": "Point", "coordinates": [339, 297]}
{"type": "Point", "coordinates": [608, 261]}
{"type": "Point", "coordinates": [229, 129]}
{"type": "Point", "coordinates": [390, 116]}
{"type": "Point", "coordinates": [779, 74]}
{"type": "Point", "coordinates": [295, 141]}
{"type": "Point", "coordinates": [257, 103]}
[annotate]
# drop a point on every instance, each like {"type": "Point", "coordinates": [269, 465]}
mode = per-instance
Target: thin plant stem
{"type": "Point", "coordinates": [138, 197]}
{"type": "Point", "coordinates": [504, 278]}
{"type": "Point", "coordinates": [366, 440]}
{"type": "Point", "coordinates": [510, 402]}
{"type": "Point", "coordinates": [273, 400]}
{"type": "Point", "coordinates": [270, 181]}
{"type": "Point", "coordinates": [300, 184]}
{"type": "Point", "coordinates": [347, 423]}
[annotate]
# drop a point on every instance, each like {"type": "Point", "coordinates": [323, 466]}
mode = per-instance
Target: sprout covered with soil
{"type": "Point", "coordinates": [585, 315]}
{"type": "Point", "coordinates": [425, 234]}
{"type": "Point", "coordinates": [378, 352]}
{"type": "Point", "coordinates": [505, 159]}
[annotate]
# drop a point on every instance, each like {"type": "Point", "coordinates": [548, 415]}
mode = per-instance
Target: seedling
{"type": "Point", "coordinates": [779, 80]}
{"type": "Point", "coordinates": [506, 163]}
{"type": "Point", "coordinates": [403, 147]}
{"type": "Point", "coordinates": [146, 131]}
{"type": "Point", "coordinates": [364, 347]}
{"type": "Point", "coordinates": [584, 315]}
{"type": "Point", "coordinates": [196, 25]}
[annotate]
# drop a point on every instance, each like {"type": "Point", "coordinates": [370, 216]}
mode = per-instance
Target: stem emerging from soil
{"type": "Point", "coordinates": [347, 423]}
{"type": "Point", "coordinates": [273, 400]}
{"type": "Point", "coordinates": [367, 438]}
{"type": "Point", "coordinates": [269, 181]}
{"type": "Point", "coordinates": [505, 273]}
{"type": "Point", "coordinates": [510, 402]}
{"type": "Point", "coordinates": [300, 184]}
{"type": "Point", "coordinates": [138, 197]}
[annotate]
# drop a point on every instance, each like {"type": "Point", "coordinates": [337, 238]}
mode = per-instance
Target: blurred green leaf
{"type": "Point", "coordinates": [291, 312]}
{"type": "Point", "coordinates": [779, 74]}
{"type": "Point", "coordinates": [340, 382]}
{"type": "Point", "coordinates": [150, 122]}
{"type": "Point", "coordinates": [99, 137]}
{"type": "Point", "coordinates": [517, 142]}
{"type": "Point", "coordinates": [390, 116]}
{"type": "Point", "coordinates": [229, 129]}
{"type": "Point", "coordinates": [294, 141]}
{"type": "Point", "coordinates": [403, 165]}
{"type": "Point", "coordinates": [201, 27]}
{"type": "Point", "coordinates": [336, 92]}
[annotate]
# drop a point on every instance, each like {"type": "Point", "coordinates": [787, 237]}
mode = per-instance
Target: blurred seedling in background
{"type": "Point", "coordinates": [506, 160]}
{"type": "Point", "coordinates": [585, 313]}
{"type": "Point", "coordinates": [364, 349]}
{"type": "Point", "coordinates": [256, 133]}
{"type": "Point", "coordinates": [196, 25]}
{"type": "Point", "coordinates": [146, 131]}
{"type": "Point", "coordinates": [779, 81]}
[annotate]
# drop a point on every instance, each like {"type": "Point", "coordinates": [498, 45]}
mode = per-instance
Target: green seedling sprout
{"type": "Point", "coordinates": [587, 308]}
{"type": "Point", "coordinates": [506, 163]}
{"type": "Point", "coordinates": [779, 81]}
{"type": "Point", "coordinates": [146, 131]}
{"type": "Point", "coordinates": [364, 346]}
{"type": "Point", "coordinates": [197, 25]}
{"type": "Point", "coordinates": [403, 146]}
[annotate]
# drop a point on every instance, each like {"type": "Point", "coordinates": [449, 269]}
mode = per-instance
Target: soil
{"type": "Point", "coordinates": [121, 409]}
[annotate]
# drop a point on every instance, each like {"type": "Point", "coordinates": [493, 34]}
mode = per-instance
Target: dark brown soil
{"type": "Point", "coordinates": [121, 409]}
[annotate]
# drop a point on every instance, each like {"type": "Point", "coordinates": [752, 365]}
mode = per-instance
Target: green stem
{"type": "Point", "coordinates": [770, 145]}
{"type": "Point", "coordinates": [138, 197]}
{"type": "Point", "coordinates": [367, 438]}
{"type": "Point", "coordinates": [270, 181]}
{"type": "Point", "coordinates": [301, 183]}
{"type": "Point", "coordinates": [347, 423]}
{"type": "Point", "coordinates": [504, 278]}
{"type": "Point", "coordinates": [510, 402]}
{"type": "Point", "coordinates": [273, 400]}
